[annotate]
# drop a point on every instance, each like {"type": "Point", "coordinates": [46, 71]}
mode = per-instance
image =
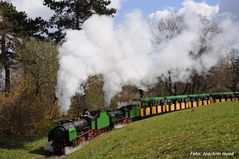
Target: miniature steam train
{"type": "Point", "coordinates": [73, 132]}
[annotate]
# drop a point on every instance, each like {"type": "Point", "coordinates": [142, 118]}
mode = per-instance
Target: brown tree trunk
{"type": "Point", "coordinates": [5, 63]}
{"type": "Point", "coordinates": [7, 78]}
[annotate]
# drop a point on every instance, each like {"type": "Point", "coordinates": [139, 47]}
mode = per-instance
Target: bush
{"type": "Point", "coordinates": [24, 114]}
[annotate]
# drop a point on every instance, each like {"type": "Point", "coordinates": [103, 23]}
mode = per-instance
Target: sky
{"type": "Point", "coordinates": [149, 6]}
{"type": "Point", "coordinates": [35, 8]}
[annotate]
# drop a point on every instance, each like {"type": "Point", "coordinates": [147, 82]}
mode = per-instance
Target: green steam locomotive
{"type": "Point", "coordinates": [72, 133]}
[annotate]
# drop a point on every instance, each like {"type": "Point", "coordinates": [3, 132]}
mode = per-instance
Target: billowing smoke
{"type": "Point", "coordinates": [139, 50]}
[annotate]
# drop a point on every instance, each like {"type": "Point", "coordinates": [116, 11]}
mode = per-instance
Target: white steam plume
{"type": "Point", "coordinates": [138, 51]}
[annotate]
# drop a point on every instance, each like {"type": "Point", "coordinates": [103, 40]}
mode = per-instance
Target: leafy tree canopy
{"type": "Point", "coordinates": [13, 26]}
{"type": "Point", "coordinates": [19, 24]}
{"type": "Point", "coordinates": [71, 14]}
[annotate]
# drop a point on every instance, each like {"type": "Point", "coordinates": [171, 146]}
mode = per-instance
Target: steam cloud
{"type": "Point", "coordinates": [138, 50]}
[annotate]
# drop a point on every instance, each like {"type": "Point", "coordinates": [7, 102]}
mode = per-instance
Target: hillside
{"type": "Point", "coordinates": [210, 129]}
{"type": "Point", "coordinates": [213, 128]}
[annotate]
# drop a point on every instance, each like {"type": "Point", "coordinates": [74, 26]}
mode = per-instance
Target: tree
{"type": "Point", "coordinates": [127, 95]}
{"type": "Point", "coordinates": [92, 100]}
{"type": "Point", "coordinates": [71, 14]}
{"type": "Point", "coordinates": [39, 62]}
{"type": "Point", "coordinates": [170, 85]}
{"type": "Point", "coordinates": [234, 70]}
{"type": "Point", "coordinates": [199, 82]}
{"type": "Point", "coordinates": [13, 26]}
{"type": "Point", "coordinates": [31, 105]}
{"type": "Point", "coordinates": [169, 27]}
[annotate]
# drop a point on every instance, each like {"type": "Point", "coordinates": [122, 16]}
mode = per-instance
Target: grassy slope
{"type": "Point", "coordinates": [211, 128]}
{"type": "Point", "coordinates": [22, 150]}
{"type": "Point", "coordinates": [173, 135]}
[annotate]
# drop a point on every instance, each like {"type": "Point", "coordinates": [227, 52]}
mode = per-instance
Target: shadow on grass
{"type": "Point", "coordinates": [41, 151]}
{"type": "Point", "coordinates": [12, 144]}
{"type": "Point", "coordinates": [21, 145]}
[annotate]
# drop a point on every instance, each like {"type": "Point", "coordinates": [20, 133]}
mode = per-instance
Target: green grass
{"type": "Point", "coordinates": [172, 135]}
{"type": "Point", "coordinates": [214, 128]}
{"type": "Point", "coordinates": [22, 149]}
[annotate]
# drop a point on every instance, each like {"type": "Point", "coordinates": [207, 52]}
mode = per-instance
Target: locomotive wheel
{"type": "Point", "coordinates": [59, 150]}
